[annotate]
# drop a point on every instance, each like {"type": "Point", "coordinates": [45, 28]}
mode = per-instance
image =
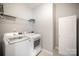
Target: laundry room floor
{"type": "Point", "coordinates": [44, 53]}
{"type": "Point", "coordinates": [56, 52]}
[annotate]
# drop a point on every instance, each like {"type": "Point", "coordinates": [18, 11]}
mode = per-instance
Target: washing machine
{"type": "Point", "coordinates": [17, 45]}
{"type": "Point", "coordinates": [36, 43]}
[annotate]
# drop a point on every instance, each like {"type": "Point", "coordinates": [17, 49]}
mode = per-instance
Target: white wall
{"type": "Point", "coordinates": [77, 7]}
{"type": "Point", "coordinates": [54, 23]}
{"type": "Point", "coordinates": [44, 24]}
{"type": "Point", "coordinates": [20, 10]}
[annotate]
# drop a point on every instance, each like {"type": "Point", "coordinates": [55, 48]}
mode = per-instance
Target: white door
{"type": "Point", "coordinates": [67, 35]}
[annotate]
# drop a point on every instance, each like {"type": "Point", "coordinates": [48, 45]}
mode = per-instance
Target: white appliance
{"type": "Point", "coordinates": [36, 43]}
{"type": "Point", "coordinates": [67, 35]}
{"type": "Point", "coordinates": [17, 45]}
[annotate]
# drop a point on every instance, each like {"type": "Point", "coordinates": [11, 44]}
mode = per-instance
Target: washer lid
{"type": "Point", "coordinates": [17, 39]}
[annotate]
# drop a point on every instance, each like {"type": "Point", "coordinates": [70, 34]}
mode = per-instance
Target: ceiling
{"type": "Point", "coordinates": [30, 5]}
{"type": "Point", "coordinates": [33, 5]}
